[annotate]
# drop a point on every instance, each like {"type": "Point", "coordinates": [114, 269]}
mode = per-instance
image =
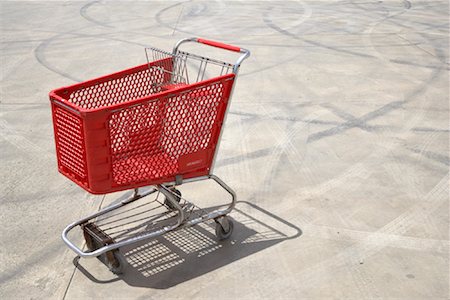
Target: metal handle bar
{"type": "Point", "coordinates": [246, 53]}
{"type": "Point", "coordinates": [219, 45]}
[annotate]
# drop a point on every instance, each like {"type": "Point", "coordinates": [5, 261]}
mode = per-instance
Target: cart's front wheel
{"type": "Point", "coordinates": [115, 261]}
{"type": "Point", "coordinates": [224, 228]}
{"type": "Point", "coordinates": [112, 259]}
{"type": "Point", "coordinates": [177, 197]}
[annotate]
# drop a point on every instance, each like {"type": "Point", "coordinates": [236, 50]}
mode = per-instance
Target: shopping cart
{"type": "Point", "coordinates": [157, 124]}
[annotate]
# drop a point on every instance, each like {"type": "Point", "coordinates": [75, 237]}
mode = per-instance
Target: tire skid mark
{"type": "Point", "coordinates": [6, 108]}
{"type": "Point", "coordinates": [307, 13]}
{"type": "Point", "coordinates": [356, 121]}
{"type": "Point", "coordinates": [388, 62]}
{"type": "Point", "coordinates": [378, 240]}
{"type": "Point", "coordinates": [40, 57]}
{"type": "Point", "coordinates": [23, 144]}
{"type": "Point", "coordinates": [39, 255]}
{"type": "Point", "coordinates": [285, 142]}
{"type": "Point", "coordinates": [364, 279]}
{"type": "Point", "coordinates": [418, 47]}
{"type": "Point", "coordinates": [85, 15]}
{"type": "Point", "coordinates": [396, 241]}
{"type": "Point", "coordinates": [284, 146]}
{"type": "Point", "coordinates": [241, 169]}
{"type": "Point", "coordinates": [8, 71]}
{"type": "Point", "coordinates": [247, 156]}
{"type": "Point", "coordinates": [287, 147]}
{"type": "Point", "coordinates": [360, 169]}
{"type": "Point", "coordinates": [390, 18]}
{"type": "Point", "coordinates": [445, 160]}
{"type": "Point", "coordinates": [402, 62]}
{"type": "Point", "coordinates": [255, 116]}
{"type": "Point", "coordinates": [269, 22]}
{"type": "Point", "coordinates": [401, 24]}
{"type": "Point", "coordinates": [413, 191]}
{"type": "Point", "coordinates": [41, 158]}
{"type": "Point", "coordinates": [384, 110]}
{"type": "Point", "coordinates": [427, 129]}
{"type": "Point", "coordinates": [269, 66]}
{"type": "Point", "coordinates": [40, 50]}
{"type": "Point", "coordinates": [269, 151]}
{"type": "Point", "coordinates": [407, 128]}
{"type": "Point", "coordinates": [407, 4]}
{"type": "Point", "coordinates": [160, 20]}
{"type": "Point", "coordinates": [352, 120]}
{"type": "Point", "coordinates": [28, 188]}
{"type": "Point", "coordinates": [396, 172]}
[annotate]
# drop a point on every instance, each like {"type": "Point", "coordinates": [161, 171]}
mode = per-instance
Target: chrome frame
{"type": "Point", "coordinates": [182, 222]}
{"type": "Point", "coordinates": [246, 53]}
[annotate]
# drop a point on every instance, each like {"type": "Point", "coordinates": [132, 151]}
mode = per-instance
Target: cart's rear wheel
{"type": "Point", "coordinates": [224, 228]}
{"type": "Point", "coordinates": [91, 243]}
{"type": "Point", "coordinates": [177, 197]}
{"type": "Point", "coordinates": [115, 261]}
{"type": "Point", "coordinates": [112, 259]}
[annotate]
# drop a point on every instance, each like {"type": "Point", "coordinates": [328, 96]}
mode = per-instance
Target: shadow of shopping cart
{"type": "Point", "coordinates": [182, 255]}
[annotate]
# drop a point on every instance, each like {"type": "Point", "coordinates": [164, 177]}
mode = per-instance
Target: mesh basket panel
{"type": "Point", "coordinates": [70, 143]}
{"type": "Point", "coordinates": [132, 86]}
{"type": "Point", "coordinates": [147, 140]}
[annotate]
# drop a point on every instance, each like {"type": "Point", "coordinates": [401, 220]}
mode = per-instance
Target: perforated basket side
{"type": "Point", "coordinates": [175, 134]}
{"type": "Point", "coordinates": [70, 144]}
{"type": "Point", "coordinates": [123, 86]}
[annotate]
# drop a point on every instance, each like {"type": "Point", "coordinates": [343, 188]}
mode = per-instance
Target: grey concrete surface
{"type": "Point", "coordinates": [338, 135]}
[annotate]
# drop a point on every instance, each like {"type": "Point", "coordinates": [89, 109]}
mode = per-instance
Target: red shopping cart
{"type": "Point", "coordinates": [157, 124]}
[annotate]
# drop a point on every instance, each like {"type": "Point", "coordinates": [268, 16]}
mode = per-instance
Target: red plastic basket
{"type": "Point", "coordinates": [119, 131]}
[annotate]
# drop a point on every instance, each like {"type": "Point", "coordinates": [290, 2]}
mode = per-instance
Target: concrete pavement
{"type": "Point", "coordinates": [337, 144]}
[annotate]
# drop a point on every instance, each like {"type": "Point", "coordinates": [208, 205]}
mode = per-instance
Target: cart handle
{"type": "Point", "coordinates": [246, 53]}
{"type": "Point", "coordinates": [219, 45]}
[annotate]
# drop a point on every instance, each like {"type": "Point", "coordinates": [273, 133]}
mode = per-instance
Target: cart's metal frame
{"type": "Point", "coordinates": [166, 189]}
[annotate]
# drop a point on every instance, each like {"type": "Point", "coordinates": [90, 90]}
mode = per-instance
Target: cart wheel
{"type": "Point", "coordinates": [221, 233]}
{"type": "Point", "coordinates": [91, 244]}
{"type": "Point", "coordinates": [112, 259]}
{"type": "Point", "coordinates": [115, 261]}
{"type": "Point", "coordinates": [177, 198]}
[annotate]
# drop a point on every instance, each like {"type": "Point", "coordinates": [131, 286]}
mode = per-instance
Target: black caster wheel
{"type": "Point", "coordinates": [224, 228]}
{"type": "Point", "coordinates": [177, 196]}
{"type": "Point", "coordinates": [115, 261]}
{"type": "Point", "coordinates": [92, 236]}
{"type": "Point", "coordinates": [95, 239]}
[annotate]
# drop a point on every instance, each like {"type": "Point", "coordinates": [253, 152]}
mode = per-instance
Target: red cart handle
{"type": "Point", "coordinates": [219, 45]}
{"type": "Point", "coordinates": [245, 52]}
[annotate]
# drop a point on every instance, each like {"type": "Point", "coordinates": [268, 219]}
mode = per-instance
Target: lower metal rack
{"type": "Point", "coordinates": [110, 228]}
